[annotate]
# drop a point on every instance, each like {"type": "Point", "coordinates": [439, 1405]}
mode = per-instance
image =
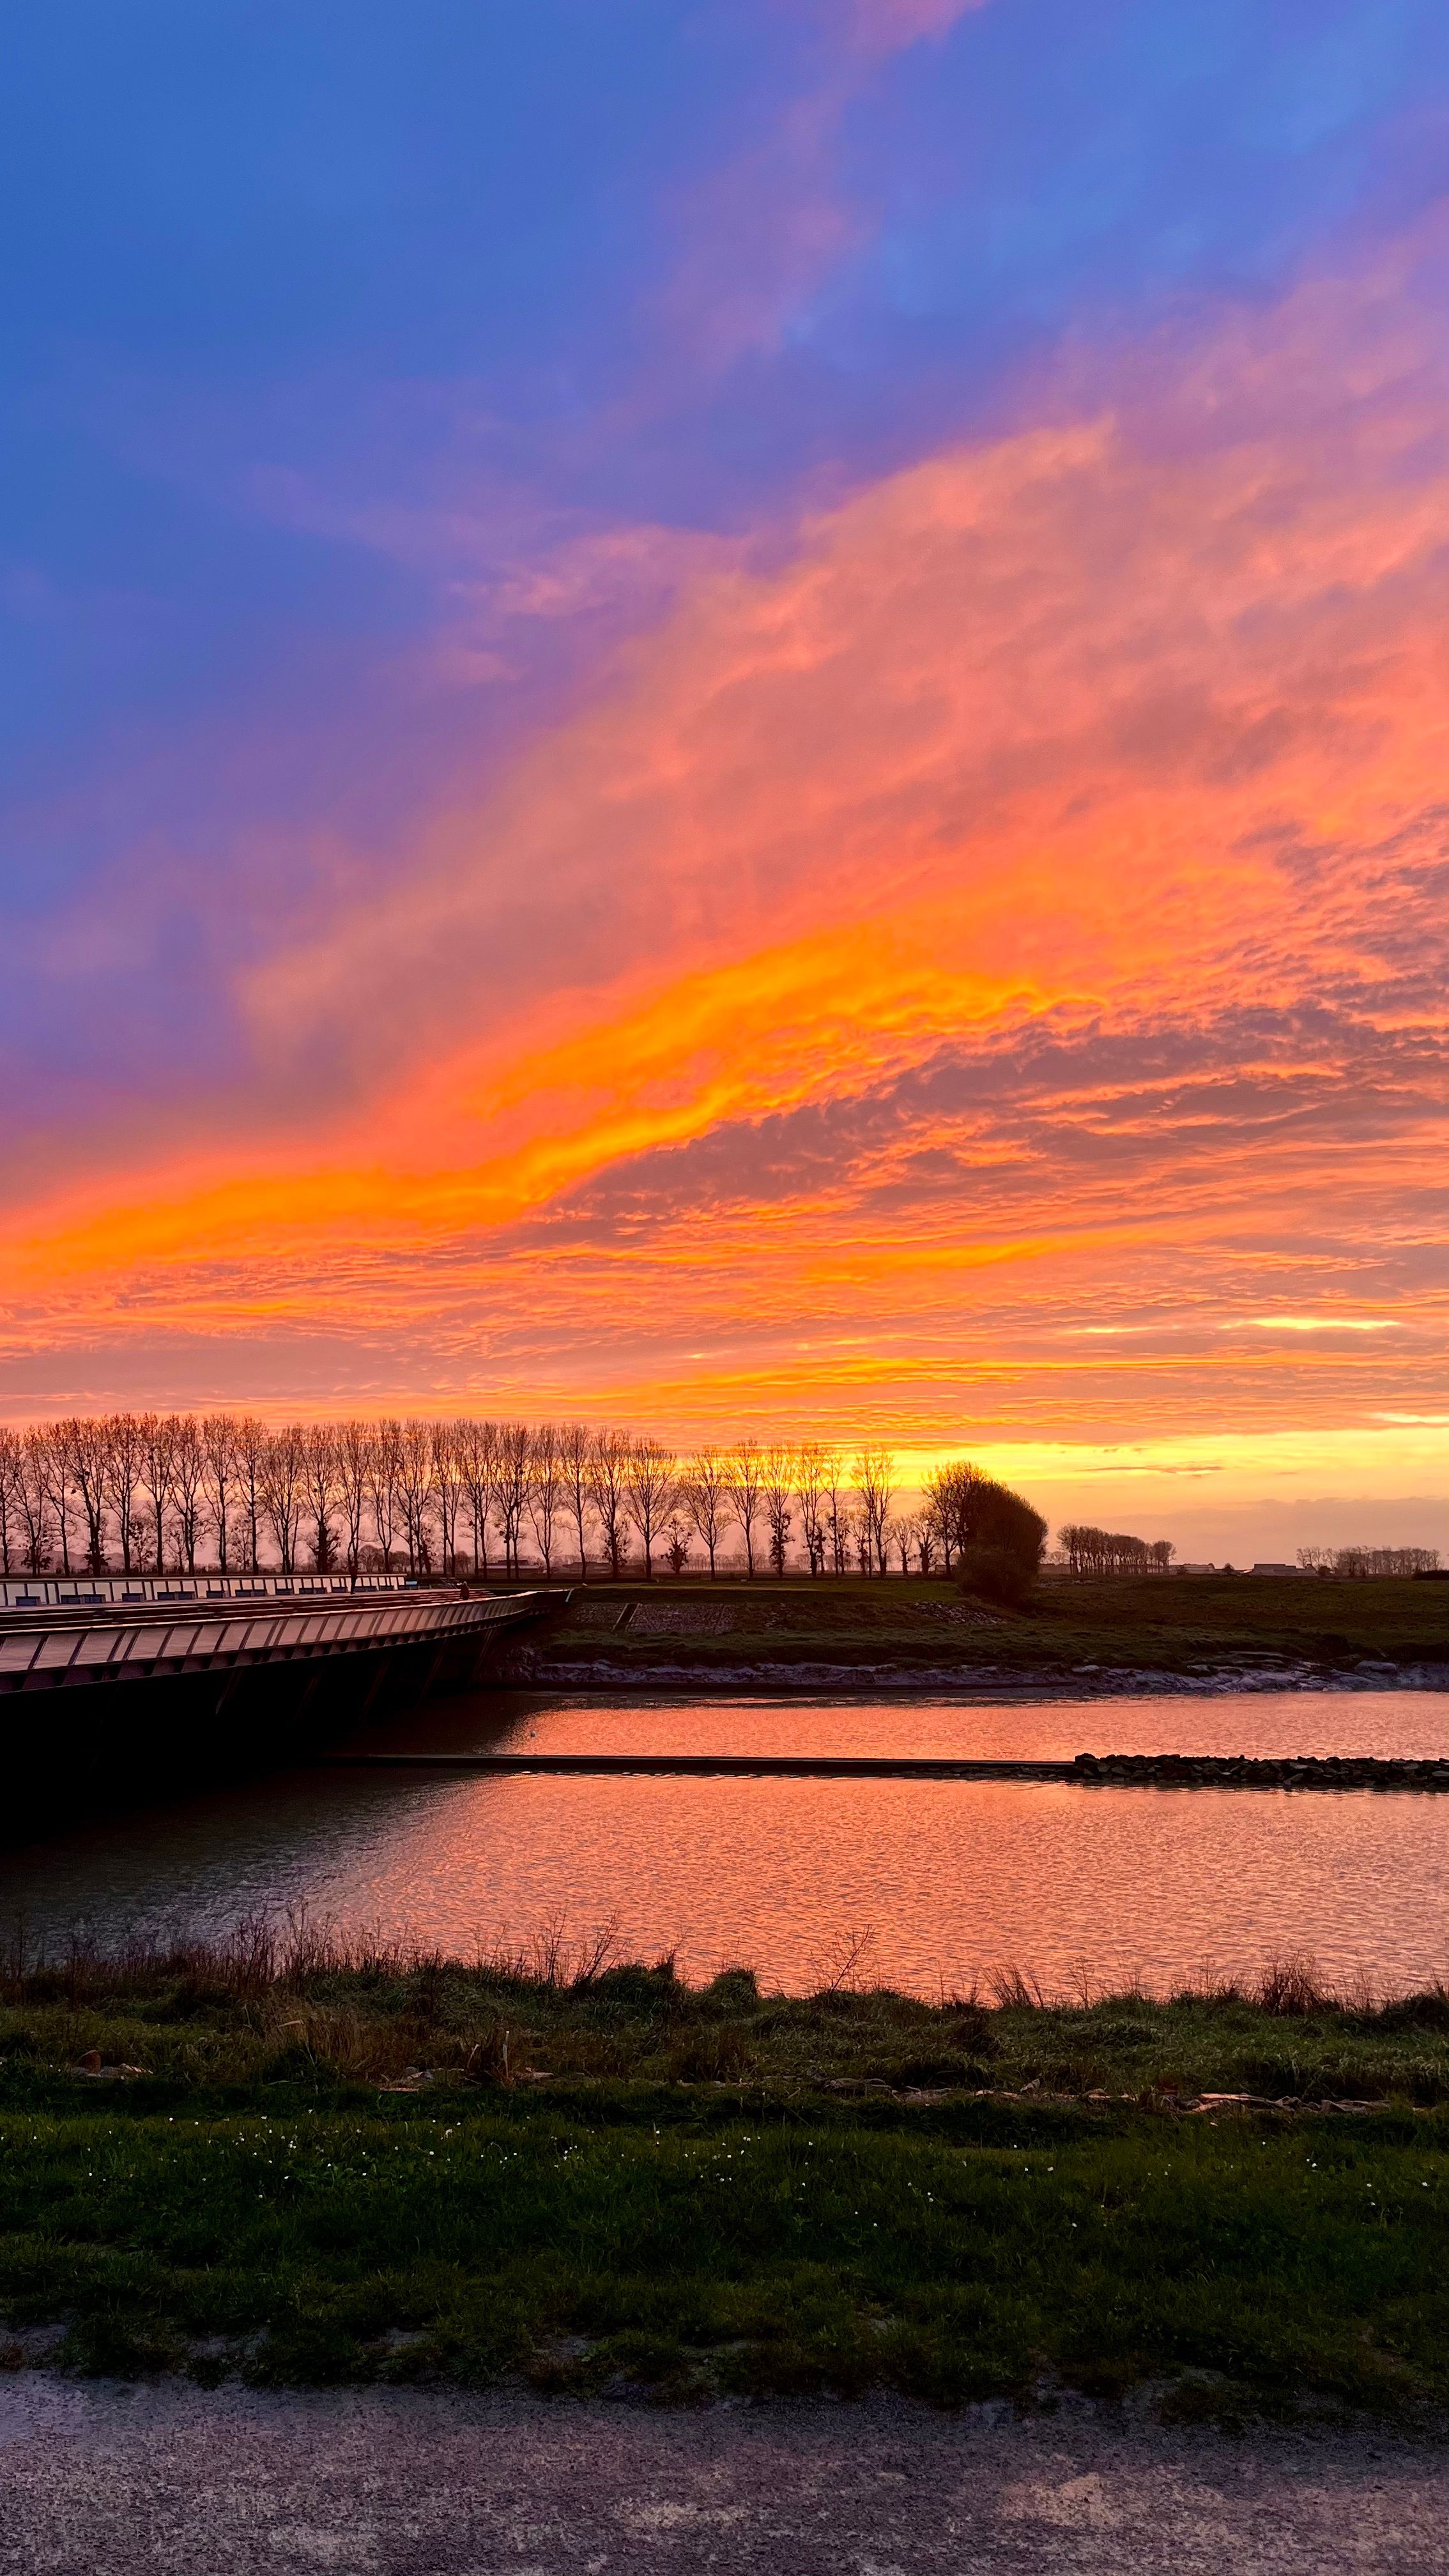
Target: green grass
{"type": "Point", "coordinates": [755, 2250]}
{"type": "Point", "coordinates": [1187, 1624]}
{"type": "Point", "coordinates": [720, 2190]}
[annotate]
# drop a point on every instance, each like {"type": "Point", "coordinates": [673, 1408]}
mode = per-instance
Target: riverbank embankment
{"type": "Point", "coordinates": [1200, 1635]}
{"type": "Point", "coordinates": [300, 2166]}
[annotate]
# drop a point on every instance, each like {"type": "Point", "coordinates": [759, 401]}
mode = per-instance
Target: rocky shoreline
{"type": "Point", "coordinates": [531, 1668]}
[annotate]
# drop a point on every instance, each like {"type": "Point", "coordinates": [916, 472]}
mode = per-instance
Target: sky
{"type": "Point", "coordinates": [734, 717]}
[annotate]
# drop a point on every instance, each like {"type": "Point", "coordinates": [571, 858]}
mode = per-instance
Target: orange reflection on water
{"type": "Point", "coordinates": [946, 1878]}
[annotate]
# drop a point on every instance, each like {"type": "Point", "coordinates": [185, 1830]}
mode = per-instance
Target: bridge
{"type": "Point", "coordinates": [97, 1591]}
{"type": "Point", "coordinates": [169, 1691]}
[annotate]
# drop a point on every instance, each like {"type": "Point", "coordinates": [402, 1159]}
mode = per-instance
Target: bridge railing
{"type": "Point", "coordinates": [64, 1591]}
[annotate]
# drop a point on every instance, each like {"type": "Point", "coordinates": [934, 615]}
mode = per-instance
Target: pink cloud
{"type": "Point", "coordinates": [889, 26]}
{"type": "Point", "coordinates": [1024, 903]}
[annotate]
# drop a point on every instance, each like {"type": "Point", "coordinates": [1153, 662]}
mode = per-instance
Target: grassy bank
{"type": "Point", "coordinates": [595, 2174]}
{"type": "Point", "coordinates": [1079, 1633]}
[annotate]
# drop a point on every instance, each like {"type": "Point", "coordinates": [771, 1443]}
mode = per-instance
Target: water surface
{"type": "Point", "coordinates": [941, 1880]}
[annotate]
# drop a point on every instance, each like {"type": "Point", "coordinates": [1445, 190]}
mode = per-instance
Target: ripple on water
{"type": "Point", "coordinates": [945, 1877]}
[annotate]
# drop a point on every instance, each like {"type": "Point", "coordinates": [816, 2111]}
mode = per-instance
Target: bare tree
{"type": "Point", "coordinates": [251, 1452]}
{"type": "Point", "coordinates": [743, 1492]}
{"type": "Point", "coordinates": [478, 1447]}
{"type": "Point", "coordinates": [158, 1460]}
{"type": "Point", "coordinates": [649, 1493]}
{"type": "Point", "coordinates": [319, 1483]}
{"type": "Point", "coordinates": [354, 1470]}
{"type": "Point", "coordinates": [545, 1489]}
{"type": "Point", "coordinates": [35, 1498]}
{"type": "Point", "coordinates": [608, 1469]}
{"type": "Point", "coordinates": [810, 1494]}
{"type": "Point", "coordinates": [11, 1456]}
{"type": "Point", "coordinates": [836, 1509]}
{"type": "Point", "coordinates": [676, 1544]}
{"type": "Point", "coordinates": [449, 1486]}
{"type": "Point", "coordinates": [86, 1439]}
{"type": "Point", "coordinates": [416, 1488]}
{"type": "Point", "coordinates": [188, 1473]}
{"type": "Point", "coordinates": [55, 1455]}
{"type": "Point", "coordinates": [873, 1474]}
{"type": "Point", "coordinates": [705, 1495]}
{"type": "Point", "coordinates": [219, 1461]}
{"type": "Point", "coordinates": [511, 1487]}
{"type": "Point", "coordinates": [284, 1491]}
{"type": "Point", "coordinates": [124, 1478]}
{"type": "Point", "coordinates": [575, 1448]}
{"type": "Point", "coordinates": [384, 1480]}
{"type": "Point", "coordinates": [777, 1486]}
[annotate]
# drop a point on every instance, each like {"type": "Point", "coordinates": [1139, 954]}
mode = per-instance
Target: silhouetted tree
{"type": "Point", "coordinates": [188, 1471]}
{"type": "Point", "coordinates": [873, 1474]}
{"type": "Point", "coordinates": [416, 1491]}
{"type": "Point", "coordinates": [515, 1446]}
{"type": "Point", "coordinates": [449, 1484]}
{"type": "Point", "coordinates": [284, 1491]}
{"type": "Point", "coordinates": [219, 1467]}
{"type": "Point", "coordinates": [478, 1447]}
{"type": "Point", "coordinates": [810, 1493]}
{"type": "Point", "coordinates": [777, 1486]}
{"type": "Point", "coordinates": [608, 1474]}
{"type": "Point", "coordinates": [704, 1494]}
{"type": "Point", "coordinates": [158, 1459]}
{"type": "Point", "coordinates": [320, 1485]}
{"type": "Point", "coordinates": [744, 1495]}
{"type": "Point", "coordinates": [545, 1490]}
{"type": "Point", "coordinates": [35, 1502]}
{"type": "Point", "coordinates": [384, 1479]}
{"type": "Point", "coordinates": [354, 1468]}
{"type": "Point", "coordinates": [649, 1493]}
{"type": "Point", "coordinates": [575, 1448]}
{"type": "Point", "coordinates": [251, 1450]}
{"type": "Point", "coordinates": [10, 1513]}
{"type": "Point", "coordinates": [86, 1439]}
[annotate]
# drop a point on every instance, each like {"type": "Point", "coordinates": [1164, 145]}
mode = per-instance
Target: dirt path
{"type": "Point", "coordinates": [101, 2480]}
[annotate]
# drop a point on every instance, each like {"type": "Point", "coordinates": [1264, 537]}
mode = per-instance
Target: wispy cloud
{"type": "Point", "coordinates": [1321, 1324]}
{"type": "Point", "coordinates": [1017, 906]}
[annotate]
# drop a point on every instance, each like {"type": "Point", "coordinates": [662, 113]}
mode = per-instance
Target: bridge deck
{"type": "Point", "coordinates": [74, 1646]}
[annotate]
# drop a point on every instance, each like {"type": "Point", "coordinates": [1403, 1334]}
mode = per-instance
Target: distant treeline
{"type": "Point", "coordinates": [1369, 1560]}
{"type": "Point", "coordinates": [1097, 1551]}
{"type": "Point", "coordinates": [148, 1492]}
{"type": "Point", "coordinates": [1085, 1550]}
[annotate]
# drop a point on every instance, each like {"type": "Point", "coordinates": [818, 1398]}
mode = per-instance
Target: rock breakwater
{"type": "Point", "coordinates": [1243, 1771]}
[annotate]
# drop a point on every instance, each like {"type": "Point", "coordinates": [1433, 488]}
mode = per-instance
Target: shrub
{"type": "Point", "coordinates": [992, 1574]}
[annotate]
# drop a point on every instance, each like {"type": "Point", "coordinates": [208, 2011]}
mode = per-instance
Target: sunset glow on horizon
{"type": "Point", "coordinates": [764, 749]}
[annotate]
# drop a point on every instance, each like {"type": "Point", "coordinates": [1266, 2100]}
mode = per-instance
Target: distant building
{"type": "Point", "coordinates": [1194, 1569]}
{"type": "Point", "coordinates": [1282, 1569]}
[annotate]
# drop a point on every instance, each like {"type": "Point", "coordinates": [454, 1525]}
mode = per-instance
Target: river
{"type": "Point", "coordinates": [930, 1884]}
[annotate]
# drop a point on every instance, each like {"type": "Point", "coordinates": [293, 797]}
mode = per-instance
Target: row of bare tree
{"type": "Point", "coordinates": [1097, 1551]}
{"type": "Point", "coordinates": [1359, 1561]}
{"type": "Point", "coordinates": [147, 1491]}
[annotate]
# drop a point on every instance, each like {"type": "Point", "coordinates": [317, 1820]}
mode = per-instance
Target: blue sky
{"type": "Point", "coordinates": [385, 392]}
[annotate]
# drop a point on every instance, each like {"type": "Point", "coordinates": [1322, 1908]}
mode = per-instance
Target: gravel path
{"type": "Point", "coordinates": [104, 2480]}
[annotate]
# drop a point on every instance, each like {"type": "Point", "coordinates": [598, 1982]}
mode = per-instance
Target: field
{"type": "Point", "coordinates": [340, 2169]}
{"type": "Point", "coordinates": [1076, 1634]}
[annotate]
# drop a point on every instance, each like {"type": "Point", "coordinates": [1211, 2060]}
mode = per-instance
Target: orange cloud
{"type": "Point", "coordinates": [1022, 906]}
